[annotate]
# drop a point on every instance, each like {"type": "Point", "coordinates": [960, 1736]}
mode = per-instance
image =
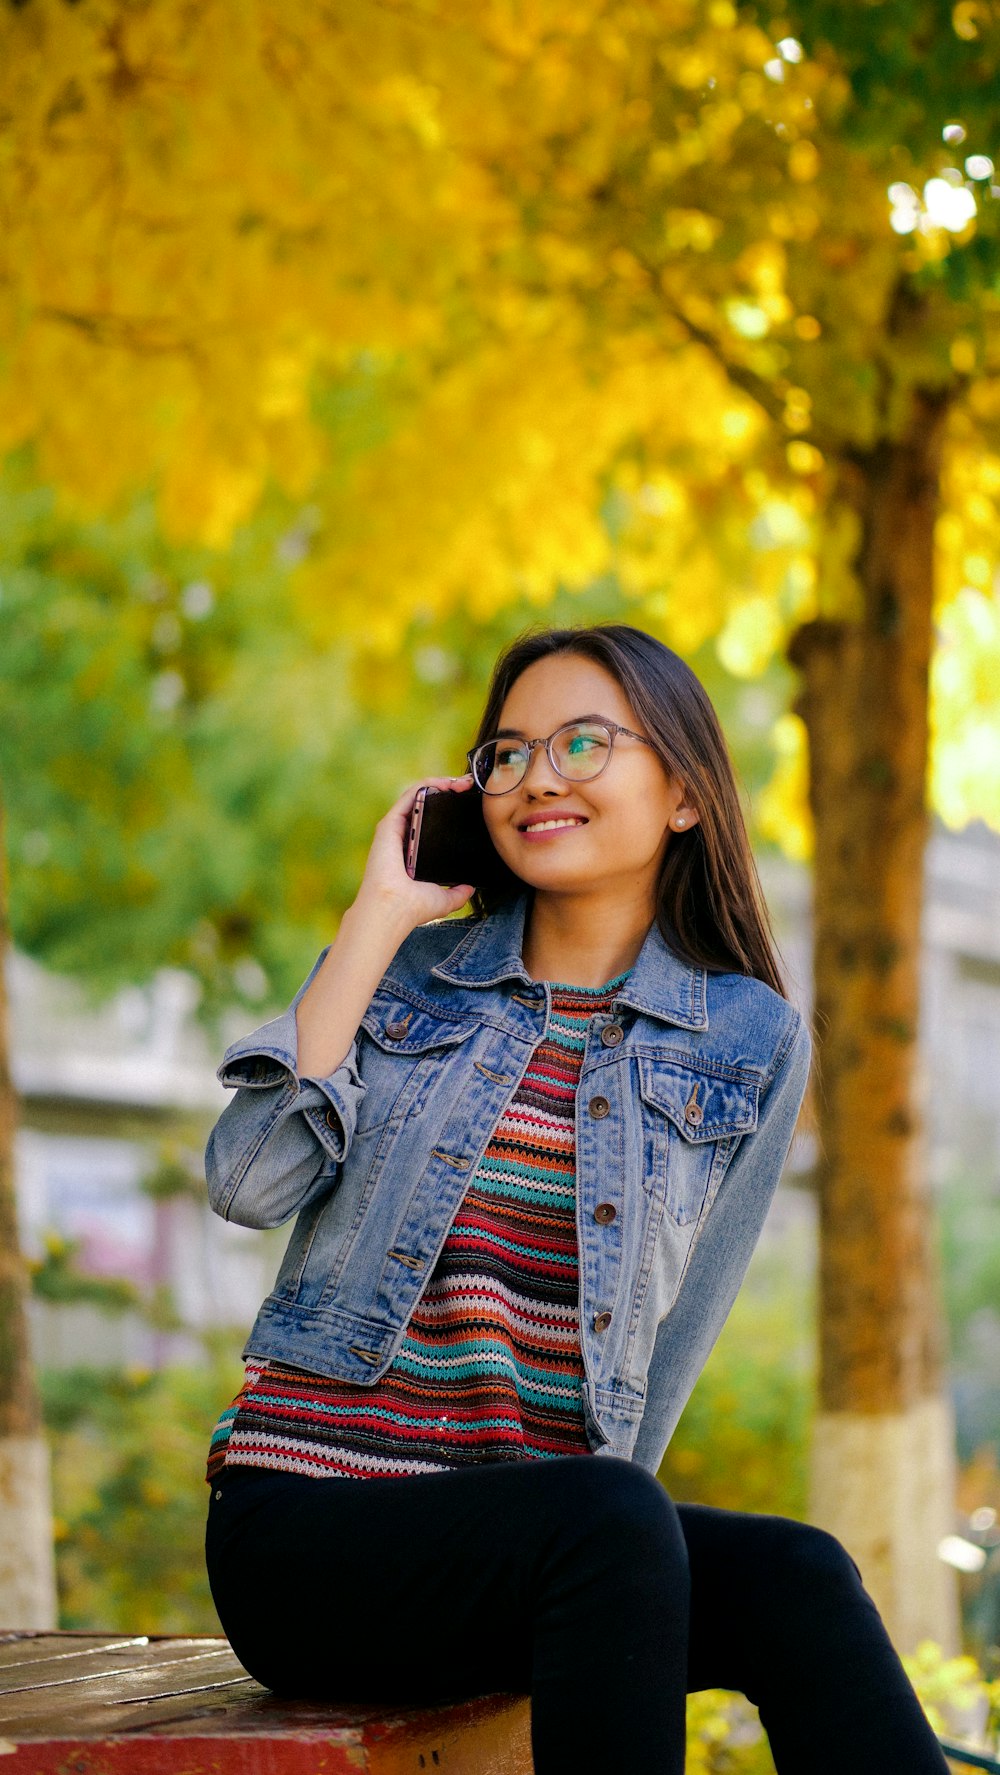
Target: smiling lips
{"type": "Point", "coordinates": [558, 824]}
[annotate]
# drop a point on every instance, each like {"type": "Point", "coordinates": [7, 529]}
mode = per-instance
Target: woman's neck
{"type": "Point", "coordinates": [583, 939]}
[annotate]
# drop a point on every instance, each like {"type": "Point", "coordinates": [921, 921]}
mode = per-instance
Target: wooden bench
{"type": "Point", "coordinates": [100, 1704]}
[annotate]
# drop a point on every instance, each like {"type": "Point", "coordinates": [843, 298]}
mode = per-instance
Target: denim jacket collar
{"type": "Point", "coordinates": [659, 985]}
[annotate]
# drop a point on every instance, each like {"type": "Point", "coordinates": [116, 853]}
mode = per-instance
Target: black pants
{"type": "Point", "coordinates": [576, 1581]}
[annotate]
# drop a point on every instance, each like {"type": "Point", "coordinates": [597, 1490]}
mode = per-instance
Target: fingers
{"type": "Point", "coordinates": [404, 803]}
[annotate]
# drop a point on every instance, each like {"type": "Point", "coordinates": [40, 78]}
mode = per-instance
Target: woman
{"type": "Point", "coordinates": [530, 1154]}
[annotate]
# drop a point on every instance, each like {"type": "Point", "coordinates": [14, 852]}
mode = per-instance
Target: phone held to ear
{"type": "Point", "coordinates": [447, 840]}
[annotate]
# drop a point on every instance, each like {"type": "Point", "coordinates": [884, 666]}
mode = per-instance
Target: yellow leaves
{"type": "Point", "coordinates": [209, 210]}
{"type": "Point", "coordinates": [203, 495]}
{"type": "Point", "coordinates": [967, 529]}
{"type": "Point", "coordinates": [987, 472]}
{"type": "Point", "coordinates": [797, 415]}
{"type": "Point", "coordinates": [942, 1683]}
{"type": "Point", "coordinates": [284, 385]}
{"type": "Point", "coordinates": [749, 319]}
{"type": "Point", "coordinates": [783, 814]}
{"type": "Point", "coordinates": [963, 355]}
{"type": "Point", "coordinates": [803, 162]}
{"type": "Point", "coordinates": [803, 458]}
{"type": "Point", "coordinates": [724, 1736]}
{"type": "Point", "coordinates": [182, 219]}
{"type": "Point", "coordinates": [751, 636]}
{"type": "Point", "coordinates": [691, 67]}
{"type": "Point", "coordinates": [494, 486]}
{"type": "Point", "coordinates": [416, 103]}
{"type": "Point", "coordinates": [683, 229]}
{"type": "Point", "coordinates": [969, 17]}
{"type": "Point", "coordinates": [753, 92]}
{"type": "Point", "coordinates": [965, 669]}
{"type": "Point", "coordinates": [627, 267]}
{"type": "Point", "coordinates": [243, 193]}
{"type": "Point", "coordinates": [965, 709]}
{"type": "Point", "coordinates": [763, 265]}
{"type": "Point", "coordinates": [737, 424]}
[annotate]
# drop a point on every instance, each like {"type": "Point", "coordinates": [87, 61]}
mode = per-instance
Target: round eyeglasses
{"type": "Point", "coordinates": [578, 751]}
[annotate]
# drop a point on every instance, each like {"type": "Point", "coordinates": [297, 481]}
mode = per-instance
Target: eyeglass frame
{"type": "Point", "coordinates": [614, 728]}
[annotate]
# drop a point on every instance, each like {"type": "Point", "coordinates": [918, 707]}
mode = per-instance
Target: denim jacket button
{"type": "Point", "coordinates": [612, 1034]}
{"type": "Point", "coordinates": [332, 1119]}
{"type": "Point", "coordinates": [693, 1113]}
{"type": "Point", "coordinates": [396, 1030]}
{"type": "Point", "coordinates": [605, 1213]}
{"type": "Point", "coordinates": [602, 1321]}
{"type": "Point", "coordinates": [598, 1107]}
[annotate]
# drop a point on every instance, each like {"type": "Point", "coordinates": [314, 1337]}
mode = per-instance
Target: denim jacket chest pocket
{"type": "Point", "coordinates": [403, 1055]}
{"type": "Point", "coordinates": [691, 1120]}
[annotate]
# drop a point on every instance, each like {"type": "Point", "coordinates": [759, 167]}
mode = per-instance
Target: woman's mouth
{"type": "Point", "coordinates": [546, 828]}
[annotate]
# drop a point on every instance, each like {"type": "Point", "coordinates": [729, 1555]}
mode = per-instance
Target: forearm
{"type": "Point", "coordinates": [329, 1013]}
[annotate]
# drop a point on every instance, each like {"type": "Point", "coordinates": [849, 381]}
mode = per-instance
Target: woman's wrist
{"type": "Point", "coordinates": [378, 916]}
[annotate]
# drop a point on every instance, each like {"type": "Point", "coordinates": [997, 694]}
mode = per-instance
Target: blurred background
{"type": "Point", "coordinates": [338, 345]}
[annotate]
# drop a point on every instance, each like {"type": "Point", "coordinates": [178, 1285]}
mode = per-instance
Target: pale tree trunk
{"type": "Point", "coordinates": [883, 1462]}
{"type": "Point", "coordinates": [27, 1573]}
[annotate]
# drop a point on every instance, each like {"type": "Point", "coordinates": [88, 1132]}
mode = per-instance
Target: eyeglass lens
{"type": "Point", "coordinates": [578, 752]}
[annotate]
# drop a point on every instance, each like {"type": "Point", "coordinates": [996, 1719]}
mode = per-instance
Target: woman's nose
{"type": "Point", "coordinates": [544, 774]}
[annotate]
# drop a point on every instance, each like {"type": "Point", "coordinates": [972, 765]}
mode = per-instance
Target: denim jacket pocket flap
{"type": "Point", "coordinates": [701, 1105]}
{"type": "Point", "coordinates": [399, 1028]}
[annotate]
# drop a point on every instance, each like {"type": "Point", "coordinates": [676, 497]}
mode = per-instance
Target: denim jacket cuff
{"type": "Point", "coordinates": [330, 1106]}
{"type": "Point", "coordinates": [266, 1057]}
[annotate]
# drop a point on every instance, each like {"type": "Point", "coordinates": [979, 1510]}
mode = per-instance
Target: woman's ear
{"type": "Point", "coordinates": [683, 816]}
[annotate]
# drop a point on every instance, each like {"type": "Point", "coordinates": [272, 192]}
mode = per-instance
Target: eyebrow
{"type": "Point", "coordinates": [515, 733]}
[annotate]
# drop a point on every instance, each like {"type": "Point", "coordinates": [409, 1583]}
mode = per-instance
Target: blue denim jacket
{"type": "Point", "coordinates": [687, 1100]}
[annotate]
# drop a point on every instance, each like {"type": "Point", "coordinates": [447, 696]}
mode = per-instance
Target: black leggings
{"type": "Point", "coordinates": [574, 1580]}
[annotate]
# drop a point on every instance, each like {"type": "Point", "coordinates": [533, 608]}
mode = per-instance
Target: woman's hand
{"type": "Point", "coordinates": [387, 907]}
{"type": "Point", "coordinates": [386, 890]}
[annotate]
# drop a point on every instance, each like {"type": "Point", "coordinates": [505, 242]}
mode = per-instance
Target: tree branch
{"type": "Point", "coordinates": [757, 387]}
{"type": "Point", "coordinates": [150, 334]}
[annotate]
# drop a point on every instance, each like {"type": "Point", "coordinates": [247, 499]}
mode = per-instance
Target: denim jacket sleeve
{"type": "Point", "coordinates": [276, 1146]}
{"type": "Point", "coordinates": [720, 1255]}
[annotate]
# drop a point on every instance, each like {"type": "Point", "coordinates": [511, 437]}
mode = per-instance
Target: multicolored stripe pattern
{"type": "Point", "coordinates": [490, 1367]}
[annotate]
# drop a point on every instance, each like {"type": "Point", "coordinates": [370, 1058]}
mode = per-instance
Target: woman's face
{"type": "Point", "coordinates": [622, 819]}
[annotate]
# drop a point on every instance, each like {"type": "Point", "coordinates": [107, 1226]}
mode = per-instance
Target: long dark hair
{"type": "Point", "coordinates": [710, 907]}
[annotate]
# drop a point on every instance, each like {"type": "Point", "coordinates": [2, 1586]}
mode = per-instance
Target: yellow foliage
{"type": "Point", "coordinates": [584, 254]}
{"type": "Point", "coordinates": [750, 637]}
{"type": "Point", "coordinates": [942, 1682]}
{"type": "Point", "coordinates": [965, 710]}
{"type": "Point", "coordinates": [783, 813]}
{"type": "Point", "coordinates": [208, 210]}
{"type": "Point", "coordinates": [724, 1736]}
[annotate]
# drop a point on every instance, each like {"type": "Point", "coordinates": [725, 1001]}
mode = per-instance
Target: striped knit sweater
{"type": "Point", "coordinates": [490, 1366]}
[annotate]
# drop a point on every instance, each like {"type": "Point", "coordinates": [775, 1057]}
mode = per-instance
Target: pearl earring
{"type": "Point", "coordinates": [680, 822]}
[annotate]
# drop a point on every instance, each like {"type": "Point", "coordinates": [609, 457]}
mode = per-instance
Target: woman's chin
{"type": "Point", "coordinates": [547, 878]}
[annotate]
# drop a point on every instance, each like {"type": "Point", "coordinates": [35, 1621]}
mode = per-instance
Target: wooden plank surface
{"type": "Point", "coordinates": [87, 1704]}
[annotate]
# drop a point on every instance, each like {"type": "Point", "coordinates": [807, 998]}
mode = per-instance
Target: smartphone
{"type": "Point", "coordinates": [447, 840]}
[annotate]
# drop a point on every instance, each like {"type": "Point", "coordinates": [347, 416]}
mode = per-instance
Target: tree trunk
{"type": "Point", "coordinates": [882, 1472]}
{"type": "Point", "coordinates": [27, 1575]}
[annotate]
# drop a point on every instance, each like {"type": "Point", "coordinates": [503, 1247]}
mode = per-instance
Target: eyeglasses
{"type": "Point", "coordinates": [578, 751]}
